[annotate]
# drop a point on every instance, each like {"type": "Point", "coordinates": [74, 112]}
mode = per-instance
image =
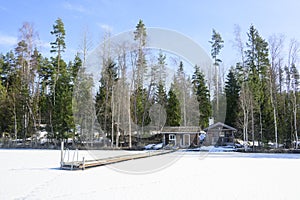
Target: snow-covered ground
{"type": "Point", "coordinates": [35, 174]}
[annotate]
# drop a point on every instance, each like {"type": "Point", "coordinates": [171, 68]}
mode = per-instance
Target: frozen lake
{"type": "Point", "coordinates": [35, 174]}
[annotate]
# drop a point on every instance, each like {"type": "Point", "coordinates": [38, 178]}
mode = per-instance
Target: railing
{"type": "Point", "coordinates": [66, 152]}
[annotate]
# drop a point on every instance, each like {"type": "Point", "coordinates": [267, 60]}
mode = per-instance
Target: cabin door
{"type": "Point", "coordinates": [186, 140]}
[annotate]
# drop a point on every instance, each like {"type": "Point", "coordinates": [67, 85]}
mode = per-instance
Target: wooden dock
{"type": "Point", "coordinates": [77, 165]}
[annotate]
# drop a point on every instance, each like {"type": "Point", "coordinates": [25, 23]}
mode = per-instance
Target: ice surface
{"type": "Point", "coordinates": [35, 174]}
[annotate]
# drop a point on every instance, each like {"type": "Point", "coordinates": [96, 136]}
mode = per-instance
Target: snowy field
{"type": "Point", "coordinates": [35, 174]}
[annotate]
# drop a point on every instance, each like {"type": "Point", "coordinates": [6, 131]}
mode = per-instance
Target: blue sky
{"type": "Point", "coordinates": [194, 18]}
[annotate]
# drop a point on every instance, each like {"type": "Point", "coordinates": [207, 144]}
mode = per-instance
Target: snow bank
{"type": "Point", "coordinates": [35, 174]}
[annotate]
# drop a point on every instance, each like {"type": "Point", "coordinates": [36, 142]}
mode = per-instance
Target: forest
{"type": "Point", "coordinates": [136, 95]}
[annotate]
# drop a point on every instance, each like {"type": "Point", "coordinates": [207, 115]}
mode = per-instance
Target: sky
{"type": "Point", "coordinates": [193, 18]}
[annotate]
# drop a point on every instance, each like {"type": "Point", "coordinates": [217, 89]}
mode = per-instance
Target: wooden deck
{"type": "Point", "coordinates": [77, 165]}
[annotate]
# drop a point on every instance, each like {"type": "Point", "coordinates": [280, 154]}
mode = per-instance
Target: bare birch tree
{"type": "Point", "coordinates": [294, 50]}
{"type": "Point", "coordinates": [244, 96]}
{"type": "Point", "coordinates": [275, 48]}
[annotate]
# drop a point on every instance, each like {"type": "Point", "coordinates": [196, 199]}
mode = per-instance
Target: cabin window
{"type": "Point", "coordinates": [172, 137]}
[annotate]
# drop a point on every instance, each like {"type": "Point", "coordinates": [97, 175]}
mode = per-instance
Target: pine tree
{"type": "Point", "coordinates": [23, 87]}
{"type": "Point", "coordinates": [58, 46]}
{"type": "Point", "coordinates": [216, 46]}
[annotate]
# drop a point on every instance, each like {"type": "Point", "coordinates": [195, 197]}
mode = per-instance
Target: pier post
{"type": "Point", "coordinates": [61, 154]}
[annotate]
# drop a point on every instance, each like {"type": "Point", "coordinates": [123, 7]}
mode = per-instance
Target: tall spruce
{"type": "Point", "coordinates": [140, 36]}
{"type": "Point", "coordinates": [232, 90]}
{"type": "Point", "coordinates": [173, 109]}
{"type": "Point", "coordinates": [257, 62]}
{"type": "Point", "coordinates": [140, 95]}
{"type": "Point", "coordinates": [181, 84]}
{"type": "Point", "coordinates": [202, 93]}
{"type": "Point", "coordinates": [104, 96]}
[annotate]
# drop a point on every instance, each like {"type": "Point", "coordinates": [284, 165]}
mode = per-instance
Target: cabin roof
{"type": "Point", "coordinates": [218, 125]}
{"type": "Point", "coordinates": [180, 130]}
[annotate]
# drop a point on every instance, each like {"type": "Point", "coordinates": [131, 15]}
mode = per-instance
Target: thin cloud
{"type": "Point", "coordinates": [74, 7]}
{"type": "Point", "coordinates": [44, 44]}
{"type": "Point", "coordinates": [105, 27]}
{"type": "Point", "coordinates": [8, 40]}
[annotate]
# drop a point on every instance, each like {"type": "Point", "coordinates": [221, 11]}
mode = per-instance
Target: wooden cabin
{"type": "Point", "coordinates": [219, 134]}
{"type": "Point", "coordinates": [181, 136]}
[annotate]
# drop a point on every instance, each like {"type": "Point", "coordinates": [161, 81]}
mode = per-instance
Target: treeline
{"type": "Point", "coordinates": [262, 90]}
{"type": "Point", "coordinates": [37, 90]}
{"type": "Point", "coordinates": [134, 95]}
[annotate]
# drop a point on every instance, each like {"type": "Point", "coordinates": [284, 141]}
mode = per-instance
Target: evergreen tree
{"type": "Point", "coordinates": [104, 95]}
{"type": "Point", "coordinates": [217, 44]}
{"type": "Point", "coordinates": [232, 90]}
{"type": "Point", "coordinates": [61, 120]}
{"type": "Point", "coordinates": [181, 89]}
{"type": "Point", "coordinates": [160, 104]}
{"type": "Point", "coordinates": [257, 63]}
{"type": "Point", "coordinates": [83, 103]}
{"type": "Point", "coordinates": [173, 109]}
{"type": "Point", "coordinates": [160, 95]}
{"type": "Point", "coordinates": [74, 67]}
{"type": "Point", "coordinates": [45, 104]}
{"type": "Point", "coordinates": [202, 93]}
{"type": "Point", "coordinates": [58, 46]}
{"type": "Point", "coordinates": [140, 36]}
{"type": "Point", "coordinates": [62, 113]}
{"type": "Point", "coordinates": [4, 109]}
{"type": "Point", "coordinates": [141, 97]}
{"type": "Point", "coordinates": [142, 106]}
{"type": "Point", "coordinates": [22, 88]}
{"type": "Point", "coordinates": [161, 68]}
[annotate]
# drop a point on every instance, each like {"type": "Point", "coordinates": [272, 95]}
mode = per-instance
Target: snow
{"type": "Point", "coordinates": [214, 149]}
{"type": "Point", "coordinates": [35, 174]}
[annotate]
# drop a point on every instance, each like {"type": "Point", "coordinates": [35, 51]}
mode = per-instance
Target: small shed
{"type": "Point", "coordinates": [181, 136]}
{"type": "Point", "coordinates": [219, 134]}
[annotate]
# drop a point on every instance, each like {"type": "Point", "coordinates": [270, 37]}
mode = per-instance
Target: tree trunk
{"type": "Point", "coordinates": [15, 120]}
{"type": "Point", "coordinates": [260, 126]}
{"type": "Point", "coordinates": [118, 115]}
{"type": "Point", "coordinates": [252, 123]}
{"type": "Point", "coordinates": [112, 117]}
{"type": "Point", "coordinates": [274, 114]}
{"type": "Point", "coordinates": [129, 120]}
{"type": "Point", "coordinates": [217, 88]}
{"type": "Point", "coordinates": [295, 118]}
